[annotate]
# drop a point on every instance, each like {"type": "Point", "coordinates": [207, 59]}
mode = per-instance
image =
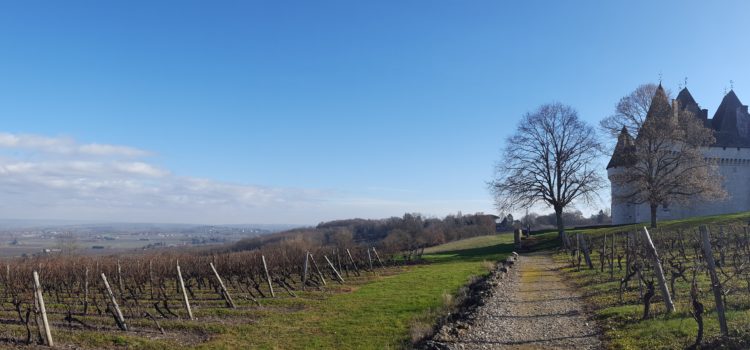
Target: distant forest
{"type": "Point", "coordinates": [409, 233]}
{"type": "Point", "coordinates": [412, 232]}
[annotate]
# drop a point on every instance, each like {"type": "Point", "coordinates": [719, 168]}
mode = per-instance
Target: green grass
{"type": "Point", "coordinates": [621, 321]}
{"type": "Point", "coordinates": [377, 314]}
{"type": "Point", "coordinates": [671, 225]}
{"type": "Point", "coordinates": [386, 310]}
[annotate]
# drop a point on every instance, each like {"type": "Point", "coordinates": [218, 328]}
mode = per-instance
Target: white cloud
{"type": "Point", "coordinates": [59, 178]}
{"type": "Point", "coordinates": [65, 145]}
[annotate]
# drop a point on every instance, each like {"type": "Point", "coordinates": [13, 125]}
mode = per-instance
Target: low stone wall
{"type": "Point", "coordinates": [452, 326]}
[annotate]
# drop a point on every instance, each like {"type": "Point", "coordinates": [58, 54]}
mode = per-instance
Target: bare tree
{"type": "Point", "coordinates": [668, 165]}
{"type": "Point", "coordinates": [551, 159]}
{"type": "Point", "coordinates": [630, 111]}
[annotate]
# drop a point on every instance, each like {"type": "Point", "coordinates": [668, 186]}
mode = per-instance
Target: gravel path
{"type": "Point", "coordinates": [531, 309]}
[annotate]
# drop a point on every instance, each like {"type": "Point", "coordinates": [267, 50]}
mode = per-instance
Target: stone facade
{"type": "Point", "coordinates": [731, 151]}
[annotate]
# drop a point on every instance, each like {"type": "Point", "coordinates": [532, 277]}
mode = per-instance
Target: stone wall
{"type": "Point", "coordinates": [734, 166]}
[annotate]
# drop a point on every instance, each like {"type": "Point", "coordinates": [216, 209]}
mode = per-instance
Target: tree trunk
{"type": "Point", "coordinates": [653, 215]}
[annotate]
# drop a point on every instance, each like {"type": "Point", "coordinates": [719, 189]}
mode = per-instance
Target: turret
{"type": "Point", "coordinates": [622, 157]}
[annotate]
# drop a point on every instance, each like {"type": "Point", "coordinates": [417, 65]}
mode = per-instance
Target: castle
{"type": "Point", "coordinates": [731, 152]}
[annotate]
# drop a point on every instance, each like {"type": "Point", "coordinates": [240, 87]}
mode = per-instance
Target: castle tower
{"type": "Point", "coordinates": [622, 158]}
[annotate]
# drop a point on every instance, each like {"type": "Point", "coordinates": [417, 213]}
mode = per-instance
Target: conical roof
{"type": "Point", "coordinates": [727, 109]}
{"type": "Point", "coordinates": [686, 99]}
{"type": "Point", "coordinates": [731, 122]}
{"type": "Point", "coordinates": [659, 104]}
{"type": "Point", "coordinates": [687, 103]}
{"type": "Point", "coordinates": [624, 154]}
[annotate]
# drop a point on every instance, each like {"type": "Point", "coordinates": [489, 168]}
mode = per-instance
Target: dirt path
{"type": "Point", "coordinates": [531, 309]}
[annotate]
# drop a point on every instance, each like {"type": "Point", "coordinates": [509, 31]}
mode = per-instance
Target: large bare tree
{"type": "Point", "coordinates": [630, 111]}
{"type": "Point", "coordinates": [668, 164]}
{"type": "Point", "coordinates": [551, 159]}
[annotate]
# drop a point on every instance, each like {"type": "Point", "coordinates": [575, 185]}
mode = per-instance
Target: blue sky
{"type": "Point", "coordinates": [303, 111]}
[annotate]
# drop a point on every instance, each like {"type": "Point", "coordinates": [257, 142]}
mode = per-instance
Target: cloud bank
{"type": "Point", "coordinates": [45, 177]}
{"type": "Point", "coordinates": [59, 178]}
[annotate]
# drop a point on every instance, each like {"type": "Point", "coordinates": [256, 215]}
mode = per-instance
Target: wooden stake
{"type": "Point", "coordinates": [315, 264]}
{"type": "Point", "coordinates": [369, 259]}
{"type": "Point", "coordinates": [304, 271]}
{"type": "Point", "coordinates": [658, 270]}
{"type": "Point", "coordinates": [377, 257]}
{"type": "Point", "coordinates": [612, 257]}
{"type": "Point", "coordinates": [578, 251]}
{"type": "Point", "coordinates": [715, 282]}
{"type": "Point", "coordinates": [119, 280]}
{"type": "Point", "coordinates": [603, 254]}
{"type": "Point", "coordinates": [356, 269]}
{"type": "Point", "coordinates": [184, 292]}
{"type": "Point", "coordinates": [224, 292]}
{"type": "Point", "coordinates": [151, 277]}
{"type": "Point", "coordinates": [338, 276]}
{"type": "Point", "coordinates": [86, 291]}
{"type": "Point", "coordinates": [587, 253]}
{"type": "Point", "coordinates": [43, 309]}
{"type": "Point", "coordinates": [118, 313]}
{"type": "Point", "coordinates": [268, 277]}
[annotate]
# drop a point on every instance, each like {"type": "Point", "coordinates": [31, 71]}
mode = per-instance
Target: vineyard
{"type": "Point", "coordinates": [683, 287]}
{"type": "Point", "coordinates": [167, 296]}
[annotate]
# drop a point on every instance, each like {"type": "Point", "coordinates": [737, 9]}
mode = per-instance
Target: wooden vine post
{"type": "Point", "coordinates": [356, 269]}
{"type": "Point", "coordinates": [118, 313]}
{"type": "Point", "coordinates": [658, 270]}
{"type": "Point", "coordinates": [315, 264]}
{"type": "Point", "coordinates": [268, 277]}
{"type": "Point", "coordinates": [587, 252]}
{"type": "Point", "coordinates": [119, 280]}
{"type": "Point", "coordinates": [338, 276]}
{"type": "Point", "coordinates": [369, 258]}
{"type": "Point", "coordinates": [224, 291]}
{"type": "Point", "coordinates": [377, 257]}
{"type": "Point", "coordinates": [151, 277]}
{"type": "Point", "coordinates": [304, 271]}
{"type": "Point", "coordinates": [578, 251]}
{"type": "Point", "coordinates": [612, 257]}
{"type": "Point", "coordinates": [86, 291]}
{"type": "Point", "coordinates": [184, 292]}
{"type": "Point", "coordinates": [715, 282]}
{"type": "Point", "coordinates": [40, 302]}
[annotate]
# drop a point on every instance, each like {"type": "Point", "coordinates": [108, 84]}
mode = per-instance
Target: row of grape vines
{"type": "Point", "coordinates": [136, 292]}
{"type": "Point", "coordinates": [703, 271]}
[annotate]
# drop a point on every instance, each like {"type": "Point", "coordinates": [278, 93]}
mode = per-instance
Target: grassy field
{"type": "Point", "coordinates": [385, 310]}
{"type": "Point", "coordinates": [378, 314]}
{"type": "Point", "coordinates": [621, 320]}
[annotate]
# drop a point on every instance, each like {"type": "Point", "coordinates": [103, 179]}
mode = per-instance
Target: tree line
{"type": "Point", "coordinates": [410, 233]}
